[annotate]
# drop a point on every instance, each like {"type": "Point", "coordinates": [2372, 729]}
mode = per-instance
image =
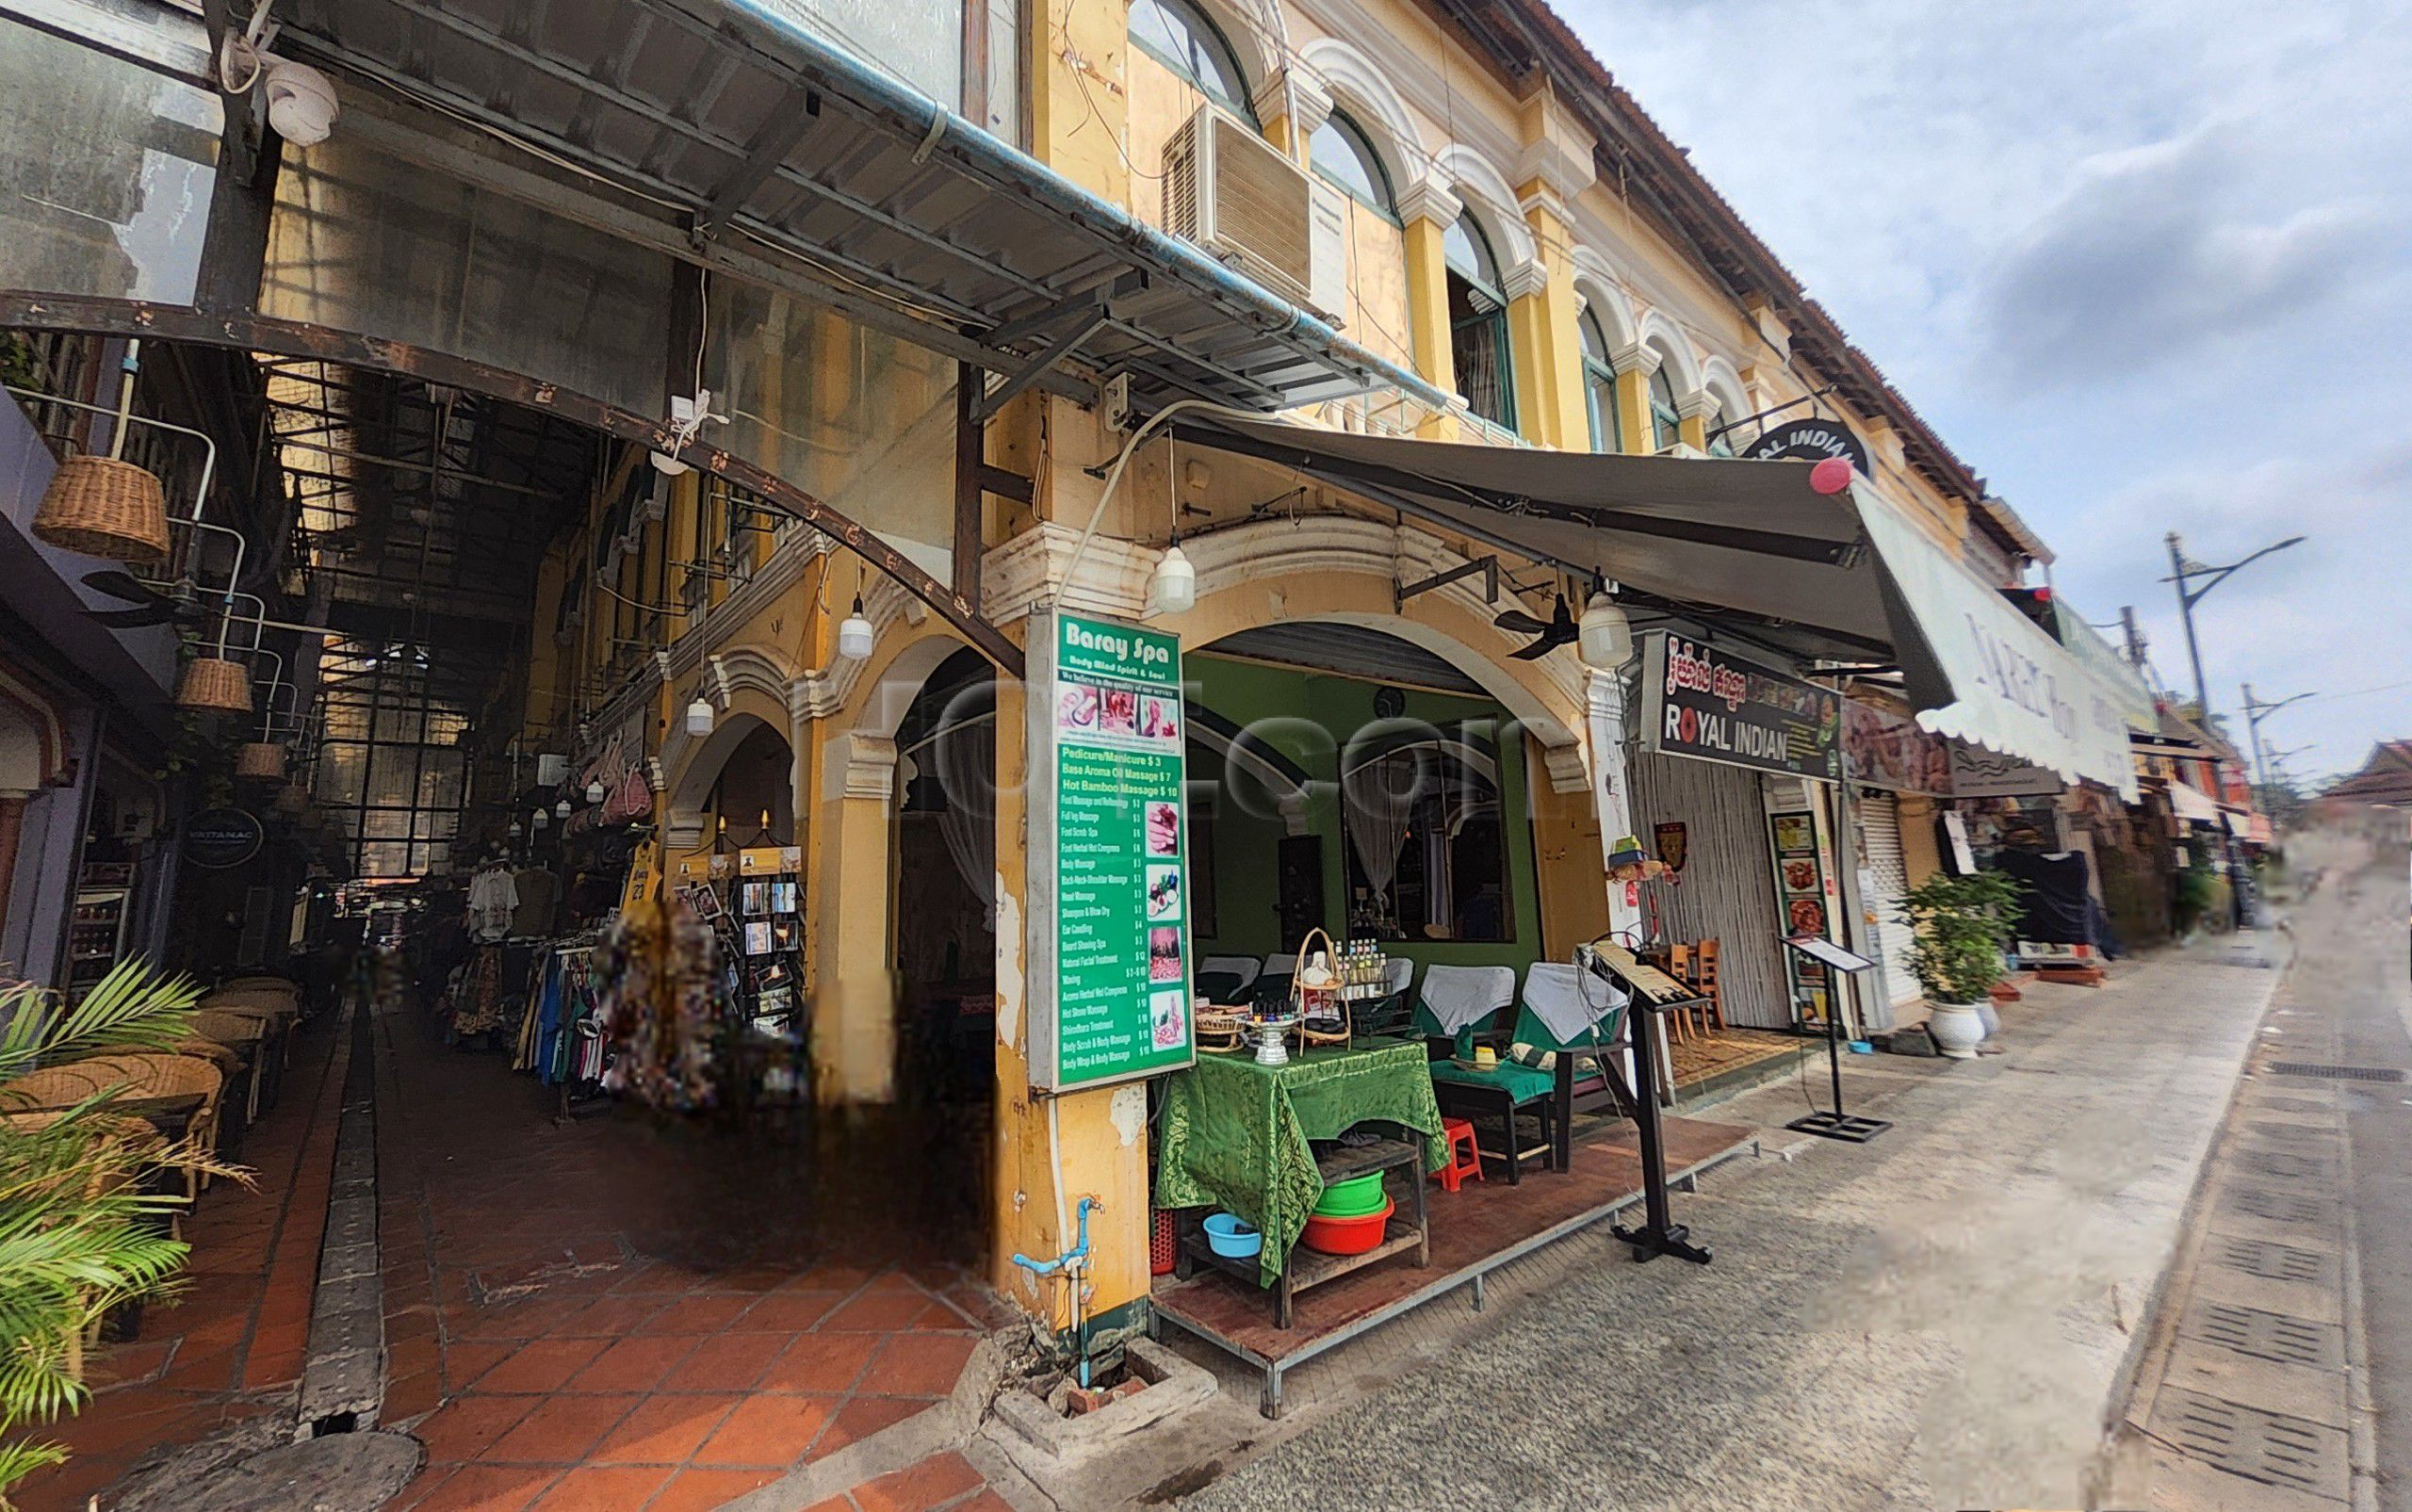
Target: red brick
{"type": "Point", "coordinates": [465, 1429]}
{"type": "Point", "coordinates": [920, 1364]}
{"type": "Point", "coordinates": [610, 1317]}
{"type": "Point", "coordinates": [767, 1431]}
{"type": "Point", "coordinates": [863, 1416]}
{"type": "Point", "coordinates": [412, 1396]}
{"type": "Point", "coordinates": [728, 1362]}
{"type": "Point", "coordinates": [933, 1483]}
{"type": "Point", "coordinates": [603, 1489]}
{"type": "Point", "coordinates": [793, 1312]}
{"type": "Point", "coordinates": [542, 1366]}
{"type": "Point", "coordinates": [820, 1363]}
{"type": "Point", "coordinates": [696, 1315]}
{"type": "Point", "coordinates": [664, 1430]}
{"type": "Point", "coordinates": [879, 1311]}
{"type": "Point", "coordinates": [705, 1490]}
{"type": "Point", "coordinates": [558, 1430]}
{"type": "Point", "coordinates": [633, 1364]}
{"type": "Point", "coordinates": [482, 1489]}
{"type": "Point", "coordinates": [465, 1362]}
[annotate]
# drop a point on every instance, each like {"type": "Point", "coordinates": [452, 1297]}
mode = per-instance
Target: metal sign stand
{"type": "Point", "coordinates": [1850, 1127]}
{"type": "Point", "coordinates": [1652, 992]}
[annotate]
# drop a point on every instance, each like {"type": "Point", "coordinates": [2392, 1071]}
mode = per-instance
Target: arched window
{"type": "Point", "coordinates": [1478, 323]}
{"type": "Point", "coordinates": [1720, 441]}
{"type": "Point", "coordinates": [1342, 153]}
{"type": "Point", "coordinates": [1600, 387]}
{"type": "Point", "coordinates": [1178, 35]}
{"type": "Point", "coordinates": [1666, 426]}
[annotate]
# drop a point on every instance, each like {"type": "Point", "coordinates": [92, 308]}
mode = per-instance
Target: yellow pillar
{"type": "Point", "coordinates": [1639, 432]}
{"type": "Point", "coordinates": [1550, 404]}
{"type": "Point", "coordinates": [1693, 431]}
{"type": "Point", "coordinates": [853, 1014]}
{"type": "Point", "coordinates": [1052, 1151]}
{"type": "Point", "coordinates": [1428, 212]}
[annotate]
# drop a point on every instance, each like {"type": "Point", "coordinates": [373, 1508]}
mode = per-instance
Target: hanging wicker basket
{"type": "Point", "coordinates": [213, 685]}
{"type": "Point", "coordinates": [263, 759]}
{"type": "Point", "coordinates": [103, 507]}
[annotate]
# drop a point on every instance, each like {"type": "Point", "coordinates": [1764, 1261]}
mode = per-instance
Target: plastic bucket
{"type": "Point", "coordinates": [1352, 1199]}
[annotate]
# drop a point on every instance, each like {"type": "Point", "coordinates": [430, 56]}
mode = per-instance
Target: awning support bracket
{"type": "Point", "coordinates": [770, 146]}
{"type": "Point", "coordinates": [1487, 566]}
{"type": "Point", "coordinates": [1069, 323]}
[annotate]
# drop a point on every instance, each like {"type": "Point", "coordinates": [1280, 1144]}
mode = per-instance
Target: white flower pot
{"type": "Point", "coordinates": [1958, 1030]}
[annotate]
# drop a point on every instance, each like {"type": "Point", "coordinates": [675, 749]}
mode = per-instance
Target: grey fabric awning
{"type": "Point", "coordinates": [1745, 547]}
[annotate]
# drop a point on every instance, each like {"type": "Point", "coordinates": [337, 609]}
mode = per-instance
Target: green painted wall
{"type": "Point", "coordinates": [1308, 716]}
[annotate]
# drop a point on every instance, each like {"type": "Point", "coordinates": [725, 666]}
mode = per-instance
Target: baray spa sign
{"type": "Point", "coordinates": [1701, 702]}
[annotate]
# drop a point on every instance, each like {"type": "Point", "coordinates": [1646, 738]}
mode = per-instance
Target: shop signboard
{"type": "Point", "coordinates": [1812, 440]}
{"type": "Point", "coordinates": [1882, 749]}
{"type": "Point", "coordinates": [221, 837]}
{"type": "Point", "coordinates": [1110, 968]}
{"type": "Point", "coordinates": [1977, 773]}
{"type": "Point", "coordinates": [1703, 703]}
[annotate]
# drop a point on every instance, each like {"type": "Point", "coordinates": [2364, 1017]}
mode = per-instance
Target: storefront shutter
{"type": "Point", "coordinates": [1726, 891]}
{"type": "Point", "coordinates": [1880, 824]}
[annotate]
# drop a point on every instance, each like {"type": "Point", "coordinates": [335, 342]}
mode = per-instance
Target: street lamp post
{"type": "Point", "coordinates": [2182, 571]}
{"type": "Point", "coordinates": [2255, 712]}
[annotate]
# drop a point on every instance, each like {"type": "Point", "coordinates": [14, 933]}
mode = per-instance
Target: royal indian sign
{"type": "Point", "coordinates": [1701, 703]}
{"type": "Point", "coordinates": [1109, 848]}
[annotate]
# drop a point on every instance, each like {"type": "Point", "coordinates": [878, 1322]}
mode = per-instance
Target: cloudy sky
{"type": "Point", "coordinates": [2147, 266]}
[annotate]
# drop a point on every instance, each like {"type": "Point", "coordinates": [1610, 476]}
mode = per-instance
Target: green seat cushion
{"type": "Point", "coordinates": [1522, 1083]}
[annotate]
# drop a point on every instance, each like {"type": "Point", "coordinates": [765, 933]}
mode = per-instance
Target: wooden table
{"type": "Point", "coordinates": [1307, 1268]}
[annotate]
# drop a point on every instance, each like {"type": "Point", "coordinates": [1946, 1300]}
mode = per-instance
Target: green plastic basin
{"type": "Point", "coordinates": [1352, 1199]}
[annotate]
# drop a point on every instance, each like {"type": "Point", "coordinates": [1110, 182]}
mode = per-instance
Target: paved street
{"type": "Point", "coordinates": [1939, 1319]}
{"type": "Point", "coordinates": [2281, 1376]}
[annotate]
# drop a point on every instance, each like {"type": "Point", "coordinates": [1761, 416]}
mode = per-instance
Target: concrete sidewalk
{"type": "Point", "coordinates": [1939, 1319]}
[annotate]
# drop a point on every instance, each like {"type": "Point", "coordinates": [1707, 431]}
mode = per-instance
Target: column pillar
{"type": "Point", "coordinates": [1078, 123]}
{"type": "Point", "coordinates": [1428, 211]}
{"type": "Point", "coordinates": [1555, 166]}
{"type": "Point", "coordinates": [1691, 418]}
{"type": "Point", "coordinates": [854, 1013]}
{"type": "Point", "coordinates": [1633, 367]}
{"type": "Point", "coordinates": [1293, 105]}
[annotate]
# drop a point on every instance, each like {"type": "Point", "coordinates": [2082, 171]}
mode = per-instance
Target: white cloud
{"type": "Point", "coordinates": [2148, 266]}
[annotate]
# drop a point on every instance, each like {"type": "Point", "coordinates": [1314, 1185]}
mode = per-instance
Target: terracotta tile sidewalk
{"type": "Point", "coordinates": [615, 1313]}
{"type": "Point", "coordinates": [230, 1346]}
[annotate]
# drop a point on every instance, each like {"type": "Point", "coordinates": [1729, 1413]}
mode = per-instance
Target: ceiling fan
{"type": "Point", "coordinates": [1560, 630]}
{"type": "Point", "coordinates": [153, 606]}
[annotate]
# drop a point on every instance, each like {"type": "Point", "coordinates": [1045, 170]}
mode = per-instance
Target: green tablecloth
{"type": "Point", "coordinates": [1235, 1132]}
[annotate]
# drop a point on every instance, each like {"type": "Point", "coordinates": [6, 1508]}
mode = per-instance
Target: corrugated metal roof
{"type": "Point", "coordinates": [752, 128]}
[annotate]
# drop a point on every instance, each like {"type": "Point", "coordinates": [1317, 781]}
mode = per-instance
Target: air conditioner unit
{"type": "Point", "coordinates": [1246, 202]}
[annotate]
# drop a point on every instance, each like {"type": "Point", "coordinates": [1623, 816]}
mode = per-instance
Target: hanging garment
{"type": "Point", "coordinates": [538, 890]}
{"type": "Point", "coordinates": [492, 897]}
{"type": "Point", "coordinates": [481, 1000]}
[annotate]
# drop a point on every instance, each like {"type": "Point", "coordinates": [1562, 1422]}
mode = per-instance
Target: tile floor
{"type": "Point", "coordinates": [620, 1312]}
{"type": "Point", "coordinates": [230, 1346]}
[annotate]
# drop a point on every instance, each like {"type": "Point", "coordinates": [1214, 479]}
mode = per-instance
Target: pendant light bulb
{"type": "Point", "coordinates": [853, 634]}
{"type": "Point", "coordinates": [1605, 636]}
{"type": "Point", "coordinates": [561, 809]}
{"type": "Point", "coordinates": [1174, 590]}
{"type": "Point", "coordinates": [595, 790]}
{"type": "Point", "coordinates": [538, 819]}
{"type": "Point", "coordinates": [699, 717]}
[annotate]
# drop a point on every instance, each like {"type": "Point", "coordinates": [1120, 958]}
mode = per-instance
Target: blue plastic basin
{"type": "Point", "coordinates": [1231, 1238]}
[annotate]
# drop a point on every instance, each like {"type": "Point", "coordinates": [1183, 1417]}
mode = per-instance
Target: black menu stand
{"type": "Point", "coordinates": [1850, 1127]}
{"type": "Point", "coordinates": [1652, 992]}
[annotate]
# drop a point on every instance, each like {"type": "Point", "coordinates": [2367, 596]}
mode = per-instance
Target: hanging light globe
{"type": "Point", "coordinates": [1174, 588]}
{"type": "Point", "coordinates": [1604, 635]}
{"type": "Point", "coordinates": [855, 634]}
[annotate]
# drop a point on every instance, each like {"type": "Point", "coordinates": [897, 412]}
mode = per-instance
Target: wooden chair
{"type": "Point", "coordinates": [1679, 966]}
{"type": "Point", "coordinates": [108, 1128]}
{"type": "Point", "coordinates": [1704, 976]}
{"type": "Point", "coordinates": [243, 1035]}
{"type": "Point", "coordinates": [166, 1076]}
{"type": "Point", "coordinates": [277, 1013]}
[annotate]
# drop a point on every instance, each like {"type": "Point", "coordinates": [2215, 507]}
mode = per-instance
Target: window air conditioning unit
{"type": "Point", "coordinates": [1245, 201]}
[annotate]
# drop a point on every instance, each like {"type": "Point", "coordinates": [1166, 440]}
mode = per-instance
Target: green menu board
{"type": "Point", "coordinates": [1109, 841]}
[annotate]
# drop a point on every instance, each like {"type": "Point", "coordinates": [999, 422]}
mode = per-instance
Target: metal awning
{"type": "Point", "coordinates": [2189, 803]}
{"type": "Point", "coordinates": [1749, 548]}
{"type": "Point", "coordinates": [762, 135]}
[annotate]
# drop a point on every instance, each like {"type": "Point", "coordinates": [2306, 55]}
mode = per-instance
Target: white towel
{"type": "Point", "coordinates": [1555, 992]}
{"type": "Point", "coordinates": [1462, 995]}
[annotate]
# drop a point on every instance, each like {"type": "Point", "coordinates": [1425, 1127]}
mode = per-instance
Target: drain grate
{"type": "Point", "coordinates": [2270, 1336]}
{"type": "Point", "coordinates": [2279, 1207]}
{"type": "Point", "coordinates": [2336, 1073]}
{"type": "Point", "coordinates": [2283, 1165]}
{"type": "Point", "coordinates": [2273, 1261]}
{"type": "Point", "coordinates": [2257, 1445]}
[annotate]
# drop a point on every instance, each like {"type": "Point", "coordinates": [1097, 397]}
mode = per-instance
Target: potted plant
{"type": "Point", "coordinates": [1963, 926]}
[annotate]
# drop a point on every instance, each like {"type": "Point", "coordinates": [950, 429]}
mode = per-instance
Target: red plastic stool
{"type": "Point", "coordinates": [1459, 1134]}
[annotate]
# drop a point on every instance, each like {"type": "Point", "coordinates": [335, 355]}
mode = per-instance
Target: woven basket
{"type": "Point", "coordinates": [259, 758]}
{"type": "Point", "coordinates": [213, 685]}
{"type": "Point", "coordinates": [292, 799]}
{"type": "Point", "coordinates": [105, 508]}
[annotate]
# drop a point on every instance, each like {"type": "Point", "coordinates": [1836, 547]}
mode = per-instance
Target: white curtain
{"type": "Point", "coordinates": [965, 755]}
{"type": "Point", "coordinates": [1379, 801]}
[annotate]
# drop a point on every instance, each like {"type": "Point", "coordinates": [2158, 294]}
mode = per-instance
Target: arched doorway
{"type": "Point", "coordinates": [943, 881]}
{"type": "Point", "coordinates": [751, 800]}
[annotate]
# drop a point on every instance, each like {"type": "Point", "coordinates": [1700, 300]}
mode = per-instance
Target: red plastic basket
{"type": "Point", "coordinates": [1164, 1243]}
